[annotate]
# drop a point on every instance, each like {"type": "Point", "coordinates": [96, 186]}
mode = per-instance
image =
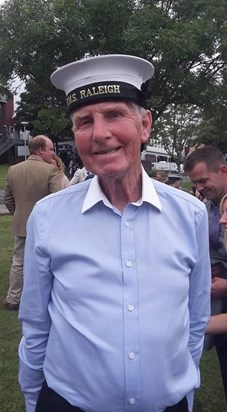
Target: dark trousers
{"type": "Point", "coordinates": [50, 401]}
{"type": "Point", "coordinates": [221, 349]}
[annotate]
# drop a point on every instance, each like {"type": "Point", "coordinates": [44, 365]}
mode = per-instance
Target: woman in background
{"type": "Point", "coordinates": [61, 168]}
{"type": "Point", "coordinates": [218, 323]}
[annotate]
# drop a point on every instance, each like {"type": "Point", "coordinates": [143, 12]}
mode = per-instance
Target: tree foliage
{"type": "Point", "coordinates": [177, 129]}
{"type": "Point", "coordinates": [186, 41]}
{"type": "Point", "coordinates": [45, 113]}
{"type": "Point", "coordinates": [213, 128]}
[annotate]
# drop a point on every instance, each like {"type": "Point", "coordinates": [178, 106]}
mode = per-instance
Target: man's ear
{"type": "Point", "coordinates": [40, 151]}
{"type": "Point", "coordinates": [223, 170]}
{"type": "Point", "coordinates": [146, 126]}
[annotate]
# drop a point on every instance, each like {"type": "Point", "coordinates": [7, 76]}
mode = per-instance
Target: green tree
{"type": "Point", "coordinates": [52, 122]}
{"type": "Point", "coordinates": [186, 40]}
{"type": "Point", "coordinates": [213, 128]}
{"type": "Point", "coordinates": [45, 113]}
{"type": "Point", "coordinates": [177, 129]}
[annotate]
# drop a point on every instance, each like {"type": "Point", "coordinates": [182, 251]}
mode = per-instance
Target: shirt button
{"type": "Point", "coordinates": [132, 401]}
{"type": "Point", "coordinates": [131, 355]}
{"type": "Point", "coordinates": [130, 308]}
{"type": "Point", "coordinates": [129, 264]}
{"type": "Point", "coordinates": [127, 224]}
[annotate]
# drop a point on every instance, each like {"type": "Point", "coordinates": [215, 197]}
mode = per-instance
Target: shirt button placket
{"type": "Point", "coordinates": [132, 402]}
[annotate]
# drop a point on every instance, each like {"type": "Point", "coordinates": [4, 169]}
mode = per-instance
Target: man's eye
{"type": "Point", "coordinates": [83, 123]}
{"type": "Point", "coordinates": [114, 114]}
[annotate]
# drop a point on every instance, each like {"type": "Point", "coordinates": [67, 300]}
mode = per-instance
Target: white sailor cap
{"type": "Point", "coordinates": [102, 78]}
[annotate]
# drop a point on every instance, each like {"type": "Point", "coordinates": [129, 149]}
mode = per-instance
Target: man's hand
{"type": "Point", "coordinates": [218, 287]}
{"type": "Point", "coordinates": [217, 270]}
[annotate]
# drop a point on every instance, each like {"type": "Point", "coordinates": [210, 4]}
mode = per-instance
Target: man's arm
{"type": "Point", "coordinates": [54, 180]}
{"type": "Point", "coordinates": [219, 287]}
{"type": "Point", "coordinates": [199, 290]}
{"type": "Point", "coordinates": [8, 195]}
{"type": "Point", "coordinates": [33, 311]}
{"type": "Point", "coordinates": [217, 324]}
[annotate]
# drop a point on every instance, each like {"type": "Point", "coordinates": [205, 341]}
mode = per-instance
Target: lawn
{"type": "Point", "coordinates": [3, 172]}
{"type": "Point", "coordinates": [209, 398]}
{"type": "Point", "coordinates": [10, 330]}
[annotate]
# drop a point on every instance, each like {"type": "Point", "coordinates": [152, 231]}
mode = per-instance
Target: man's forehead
{"type": "Point", "coordinates": [99, 107]}
{"type": "Point", "coordinates": [201, 167]}
{"type": "Point", "coordinates": [49, 143]}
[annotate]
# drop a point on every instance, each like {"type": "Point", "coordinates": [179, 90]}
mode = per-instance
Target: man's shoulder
{"type": "Point", "coordinates": [20, 170]}
{"type": "Point", "coordinates": [16, 168]}
{"type": "Point", "coordinates": [178, 197]}
{"type": "Point", "coordinates": [69, 195]}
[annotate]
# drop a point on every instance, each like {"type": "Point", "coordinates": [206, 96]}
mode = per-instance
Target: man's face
{"type": "Point", "coordinates": [212, 184]}
{"type": "Point", "coordinates": [47, 153]}
{"type": "Point", "coordinates": [108, 137]}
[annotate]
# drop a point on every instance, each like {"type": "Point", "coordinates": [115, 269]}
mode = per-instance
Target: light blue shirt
{"type": "Point", "coordinates": [115, 305]}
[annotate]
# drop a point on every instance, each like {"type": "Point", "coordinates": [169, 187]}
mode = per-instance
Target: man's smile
{"type": "Point", "coordinates": [108, 151]}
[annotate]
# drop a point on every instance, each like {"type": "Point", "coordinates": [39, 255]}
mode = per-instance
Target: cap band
{"type": "Point", "coordinates": [104, 91]}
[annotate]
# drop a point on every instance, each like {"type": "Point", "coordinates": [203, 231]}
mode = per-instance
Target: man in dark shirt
{"type": "Point", "coordinates": [207, 169]}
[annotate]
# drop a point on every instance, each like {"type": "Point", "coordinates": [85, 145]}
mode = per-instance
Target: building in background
{"type": "Point", "coordinates": [13, 144]}
{"type": "Point", "coordinates": [6, 125]}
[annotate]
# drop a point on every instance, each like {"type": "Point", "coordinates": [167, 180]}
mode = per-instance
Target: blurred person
{"type": "Point", "coordinates": [181, 167]}
{"type": "Point", "coordinates": [26, 183]}
{"type": "Point", "coordinates": [218, 323]}
{"type": "Point", "coordinates": [71, 165]}
{"type": "Point", "coordinates": [174, 181]}
{"type": "Point", "coordinates": [96, 339]}
{"type": "Point", "coordinates": [161, 176]}
{"type": "Point", "coordinates": [56, 160]}
{"type": "Point", "coordinates": [197, 194]}
{"type": "Point", "coordinates": [207, 169]}
{"type": "Point", "coordinates": [223, 220]}
{"type": "Point", "coordinates": [80, 174]}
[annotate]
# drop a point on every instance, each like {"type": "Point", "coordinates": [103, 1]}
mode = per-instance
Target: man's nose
{"type": "Point", "coordinates": [100, 130]}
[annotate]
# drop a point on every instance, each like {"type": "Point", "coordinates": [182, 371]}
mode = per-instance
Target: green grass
{"type": "Point", "coordinates": [11, 399]}
{"type": "Point", "coordinates": [3, 173]}
{"type": "Point", "coordinates": [209, 398]}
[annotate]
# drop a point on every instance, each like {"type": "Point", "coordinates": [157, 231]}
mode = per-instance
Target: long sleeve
{"type": "Point", "coordinates": [8, 196]}
{"type": "Point", "coordinates": [199, 292]}
{"type": "Point", "coordinates": [34, 316]}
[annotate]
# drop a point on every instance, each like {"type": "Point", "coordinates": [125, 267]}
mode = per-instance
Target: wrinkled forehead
{"type": "Point", "coordinates": [100, 107]}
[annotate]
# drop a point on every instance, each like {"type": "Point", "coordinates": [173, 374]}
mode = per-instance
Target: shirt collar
{"type": "Point", "coordinates": [95, 194]}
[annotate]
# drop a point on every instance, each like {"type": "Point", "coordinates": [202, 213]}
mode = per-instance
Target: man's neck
{"type": "Point", "coordinates": [121, 192]}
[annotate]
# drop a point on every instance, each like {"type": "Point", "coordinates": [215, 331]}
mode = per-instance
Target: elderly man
{"type": "Point", "coordinates": [114, 315]}
{"type": "Point", "coordinates": [26, 183]}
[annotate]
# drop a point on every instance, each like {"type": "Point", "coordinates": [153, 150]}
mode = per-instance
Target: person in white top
{"type": "Point", "coordinates": [79, 176]}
